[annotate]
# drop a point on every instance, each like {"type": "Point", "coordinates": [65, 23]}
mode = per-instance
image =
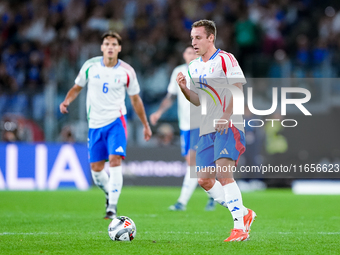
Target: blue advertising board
{"type": "Point", "coordinates": [44, 166]}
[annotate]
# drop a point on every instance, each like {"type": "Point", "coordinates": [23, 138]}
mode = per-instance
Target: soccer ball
{"type": "Point", "coordinates": [122, 229]}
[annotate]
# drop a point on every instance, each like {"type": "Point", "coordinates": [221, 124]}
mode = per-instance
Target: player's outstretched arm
{"type": "Point", "coordinates": [190, 95]}
{"type": "Point", "coordinates": [138, 106]}
{"type": "Point", "coordinates": [165, 105]}
{"type": "Point", "coordinates": [71, 95]}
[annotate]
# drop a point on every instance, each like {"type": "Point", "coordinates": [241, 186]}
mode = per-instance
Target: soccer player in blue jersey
{"type": "Point", "coordinates": [108, 79]}
{"type": "Point", "coordinates": [220, 145]}
{"type": "Point", "coordinates": [189, 129]}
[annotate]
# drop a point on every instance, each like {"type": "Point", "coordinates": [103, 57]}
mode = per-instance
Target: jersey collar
{"type": "Point", "coordinates": [213, 56]}
{"type": "Point", "coordinates": [114, 67]}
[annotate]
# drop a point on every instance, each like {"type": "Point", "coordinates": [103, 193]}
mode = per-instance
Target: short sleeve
{"type": "Point", "coordinates": [132, 85]}
{"type": "Point", "coordinates": [232, 69]}
{"type": "Point", "coordinates": [82, 77]}
{"type": "Point", "coordinates": [172, 87]}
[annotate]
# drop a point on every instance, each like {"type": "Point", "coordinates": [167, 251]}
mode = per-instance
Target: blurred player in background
{"type": "Point", "coordinates": [108, 78]}
{"type": "Point", "coordinates": [222, 144]}
{"type": "Point", "coordinates": [189, 131]}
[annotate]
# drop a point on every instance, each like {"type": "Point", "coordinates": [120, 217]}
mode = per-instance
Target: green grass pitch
{"type": "Point", "coordinates": [70, 222]}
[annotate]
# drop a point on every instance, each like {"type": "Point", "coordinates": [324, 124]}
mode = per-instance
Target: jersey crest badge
{"type": "Point", "coordinates": [117, 79]}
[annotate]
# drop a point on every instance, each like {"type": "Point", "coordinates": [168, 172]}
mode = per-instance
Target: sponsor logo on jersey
{"type": "Point", "coordinates": [119, 149]}
{"type": "Point", "coordinates": [235, 73]}
{"type": "Point", "coordinates": [96, 76]}
{"type": "Point", "coordinates": [194, 72]}
{"type": "Point", "coordinates": [224, 151]}
{"type": "Point", "coordinates": [232, 201]}
{"type": "Point", "coordinates": [235, 209]}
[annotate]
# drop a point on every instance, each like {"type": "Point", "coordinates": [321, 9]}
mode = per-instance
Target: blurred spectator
{"type": "Point", "coordinates": [17, 128]}
{"type": "Point", "coordinates": [255, 137]}
{"type": "Point", "coordinates": [302, 57]}
{"type": "Point", "coordinates": [66, 135]}
{"type": "Point", "coordinates": [165, 134]}
{"type": "Point", "coordinates": [156, 83]}
{"type": "Point", "coordinates": [8, 89]}
{"type": "Point", "coordinates": [271, 26]}
{"type": "Point", "coordinates": [276, 144]}
{"type": "Point", "coordinates": [253, 156]}
{"type": "Point", "coordinates": [281, 66]}
{"type": "Point", "coordinates": [336, 23]}
{"type": "Point", "coordinates": [35, 29]}
{"type": "Point", "coordinates": [336, 57]}
{"type": "Point", "coordinates": [34, 86]}
{"type": "Point", "coordinates": [246, 37]}
{"type": "Point", "coordinates": [9, 131]}
{"type": "Point", "coordinates": [43, 42]}
{"type": "Point", "coordinates": [98, 21]}
{"type": "Point", "coordinates": [320, 57]}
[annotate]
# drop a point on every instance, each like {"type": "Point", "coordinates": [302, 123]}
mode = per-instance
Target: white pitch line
{"type": "Point", "coordinates": [290, 233]}
{"type": "Point", "coordinates": [280, 233]}
{"type": "Point", "coordinates": [328, 233]}
{"type": "Point", "coordinates": [38, 233]}
{"type": "Point", "coordinates": [46, 233]}
{"type": "Point", "coordinates": [171, 232]}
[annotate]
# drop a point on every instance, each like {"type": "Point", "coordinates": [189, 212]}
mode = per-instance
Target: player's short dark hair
{"type": "Point", "coordinates": [112, 34]}
{"type": "Point", "coordinates": [209, 26]}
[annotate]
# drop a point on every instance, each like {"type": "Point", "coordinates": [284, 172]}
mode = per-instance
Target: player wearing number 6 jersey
{"type": "Point", "coordinates": [108, 79]}
{"type": "Point", "coordinates": [219, 146]}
